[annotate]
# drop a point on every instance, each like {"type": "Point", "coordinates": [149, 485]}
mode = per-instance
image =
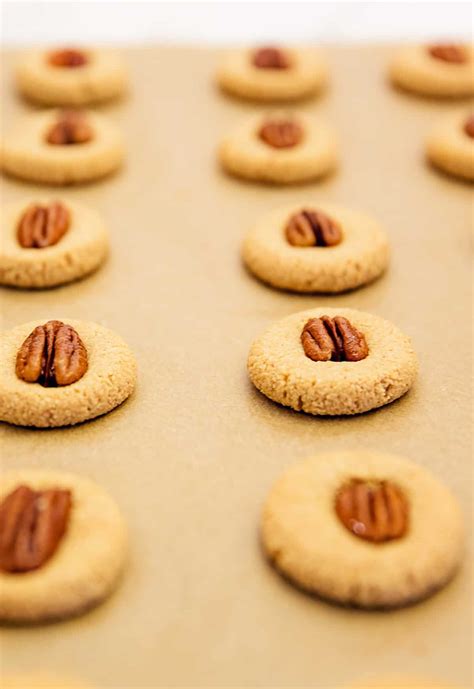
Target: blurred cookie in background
{"type": "Point", "coordinates": [273, 73]}
{"type": "Point", "coordinates": [450, 145]}
{"type": "Point", "coordinates": [280, 148]}
{"type": "Point", "coordinates": [62, 147]}
{"type": "Point", "coordinates": [71, 76]}
{"type": "Point", "coordinates": [441, 70]}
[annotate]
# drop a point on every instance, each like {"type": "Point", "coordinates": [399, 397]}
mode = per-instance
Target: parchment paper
{"type": "Point", "coordinates": [192, 455]}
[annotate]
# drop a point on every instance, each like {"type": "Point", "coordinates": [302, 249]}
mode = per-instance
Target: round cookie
{"type": "Point", "coordinates": [306, 540]}
{"type": "Point", "coordinates": [26, 153]}
{"type": "Point", "coordinates": [244, 154]}
{"type": "Point", "coordinates": [279, 367]}
{"type": "Point", "coordinates": [450, 145]}
{"type": "Point", "coordinates": [87, 563]}
{"type": "Point", "coordinates": [415, 69]}
{"type": "Point", "coordinates": [360, 256]}
{"type": "Point", "coordinates": [109, 379]}
{"type": "Point", "coordinates": [71, 76]}
{"type": "Point", "coordinates": [80, 251]}
{"type": "Point", "coordinates": [287, 74]}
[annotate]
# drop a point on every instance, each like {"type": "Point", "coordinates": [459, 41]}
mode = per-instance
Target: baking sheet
{"type": "Point", "coordinates": [191, 456]}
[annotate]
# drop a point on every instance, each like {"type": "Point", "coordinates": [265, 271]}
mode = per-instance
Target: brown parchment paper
{"type": "Point", "coordinates": [191, 456]}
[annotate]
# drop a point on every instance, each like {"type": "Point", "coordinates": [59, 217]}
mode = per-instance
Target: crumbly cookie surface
{"type": "Point", "coordinates": [102, 78]}
{"type": "Point", "coordinates": [305, 540]}
{"type": "Point", "coordinates": [306, 76]}
{"type": "Point", "coordinates": [449, 147]}
{"type": "Point", "coordinates": [87, 564]}
{"type": "Point", "coordinates": [243, 154]}
{"type": "Point", "coordinates": [360, 257]}
{"type": "Point", "coordinates": [26, 154]}
{"type": "Point", "coordinates": [415, 70]}
{"type": "Point", "coordinates": [108, 381]}
{"type": "Point", "coordinates": [279, 368]}
{"type": "Point", "coordinates": [79, 252]}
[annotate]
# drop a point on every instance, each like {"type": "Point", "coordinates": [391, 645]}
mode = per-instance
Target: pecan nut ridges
{"type": "Point", "coordinates": [281, 133]}
{"type": "Point", "coordinates": [32, 524]}
{"type": "Point", "coordinates": [376, 511]}
{"type": "Point", "coordinates": [333, 339]}
{"type": "Point", "coordinates": [67, 57]}
{"type": "Point", "coordinates": [447, 52]}
{"type": "Point", "coordinates": [469, 126]}
{"type": "Point", "coordinates": [71, 127]}
{"type": "Point", "coordinates": [52, 355]}
{"type": "Point", "coordinates": [312, 228]}
{"type": "Point", "coordinates": [270, 57]}
{"type": "Point", "coordinates": [42, 226]}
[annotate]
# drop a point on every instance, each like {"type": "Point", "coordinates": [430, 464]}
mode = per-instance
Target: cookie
{"type": "Point", "coordinates": [450, 145]}
{"type": "Point", "coordinates": [71, 76]}
{"type": "Point", "coordinates": [442, 71]}
{"type": "Point", "coordinates": [45, 242]}
{"type": "Point", "coordinates": [314, 247]}
{"type": "Point", "coordinates": [280, 148]}
{"type": "Point", "coordinates": [59, 373]}
{"type": "Point", "coordinates": [363, 528]}
{"type": "Point", "coordinates": [272, 74]}
{"type": "Point", "coordinates": [62, 147]}
{"type": "Point", "coordinates": [331, 361]}
{"type": "Point", "coordinates": [76, 547]}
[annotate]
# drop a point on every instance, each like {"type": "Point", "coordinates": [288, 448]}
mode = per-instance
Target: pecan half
{"type": "Point", "coordinates": [281, 133]}
{"type": "Point", "coordinates": [333, 339]}
{"type": "Point", "coordinates": [53, 354]}
{"type": "Point", "coordinates": [312, 228]}
{"type": "Point", "coordinates": [448, 52]}
{"type": "Point", "coordinates": [376, 511]}
{"type": "Point", "coordinates": [67, 57]}
{"type": "Point", "coordinates": [469, 126]}
{"type": "Point", "coordinates": [42, 226]}
{"type": "Point", "coordinates": [71, 127]}
{"type": "Point", "coordinates": [270, 57]}
{"type": "Point", "coordinates": [32, 524]}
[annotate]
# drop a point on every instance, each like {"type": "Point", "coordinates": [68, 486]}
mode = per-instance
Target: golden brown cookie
{"type": "Point", "coordinates": [62, 147]}
{"type": "Point", "coordinates": [272, 73]}
{"type": "Point", "coordinates": [59, 375]}
{"type": "Point", "coordinates": [363, 528]}
{"type": "Point", "coordinates": [281, 148]}
{"type": "Point", "coordinates": [46, 242]}
{"type": "Point", "coordinates": [313, 361]}
{"type": "Point", "coordinates": [63, 545]}
{"type": "Point", "coordinates": [438, 70]}
{"type": "Point", "coordinates": [316, 247]}
{"type": "Point", "coordinates": [450, 145]}
{"type": "Point", "coordinates": [71, 76]}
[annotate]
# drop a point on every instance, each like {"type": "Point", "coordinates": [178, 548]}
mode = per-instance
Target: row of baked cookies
{"type": "Point", "coordinates": [347, 525]}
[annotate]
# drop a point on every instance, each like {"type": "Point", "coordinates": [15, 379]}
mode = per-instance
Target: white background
{"type": "Point", "coordinates": [226, 21]}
